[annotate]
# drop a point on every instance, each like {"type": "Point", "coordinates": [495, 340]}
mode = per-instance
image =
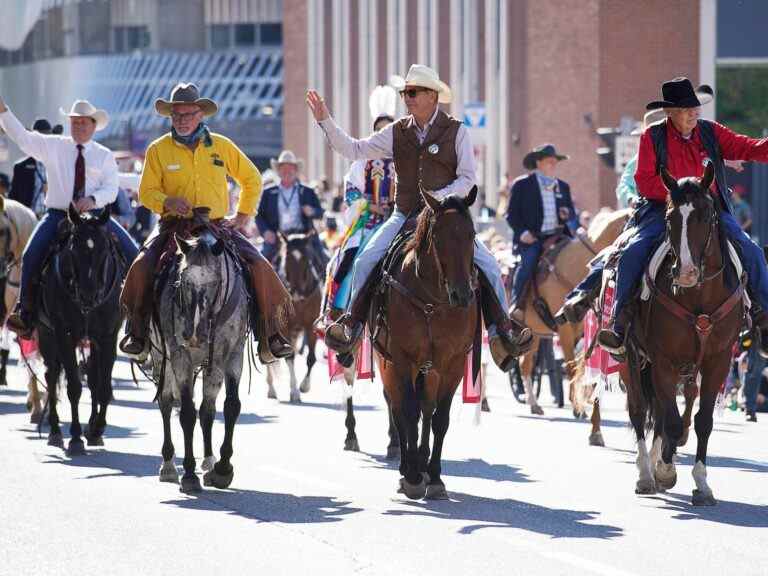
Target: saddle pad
{"type": "Point", "coordinates": [661, 254]}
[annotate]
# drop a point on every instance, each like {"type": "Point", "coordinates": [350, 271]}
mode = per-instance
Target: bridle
{"type": "Point", "coordinates": [702, 278]}
{"type": "Point", "coordinates": [312, 282]}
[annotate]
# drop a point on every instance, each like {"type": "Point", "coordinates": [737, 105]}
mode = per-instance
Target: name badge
{"type": "Point", "coordinates": [173, 167]}
{"type": "Point", "coordinates": [433, 149]}
{"type": "Point", "coordinates": [217, 162]}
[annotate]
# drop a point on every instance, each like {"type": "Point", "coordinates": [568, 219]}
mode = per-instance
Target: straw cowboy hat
{"type": "Point", "coordinates": [543, 151]}
{"type": "Point", "coordinates": [84, 109]}
{"type": "Point", "coordinates": [679, 93]}
{"type": "Point", "coordinates": [286, 157]}
{"type": "Point", "coordinates": [186, 94]}
{"type": "Point", "coordinates": [425, 77]}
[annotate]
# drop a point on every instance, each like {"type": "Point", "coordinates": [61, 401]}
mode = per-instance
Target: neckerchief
{"type": "Point", "coordinates": [189, 140]}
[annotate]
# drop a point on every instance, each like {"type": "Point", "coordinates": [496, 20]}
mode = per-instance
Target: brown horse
{"type": "Point", "coordinates": [567, 270]}
{"type": "Point", "coordinates": [431, 319]}
{"type": "Point", "coordinates": [686, 331]}
{"type": "Point", "coordinates": [305, 288]}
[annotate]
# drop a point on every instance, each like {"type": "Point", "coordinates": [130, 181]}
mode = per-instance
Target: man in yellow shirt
{"type": "Point", "coordinates": [186, 170]}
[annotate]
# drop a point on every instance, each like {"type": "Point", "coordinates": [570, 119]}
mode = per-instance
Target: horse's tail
{"type": "Point", "coordinates": [582, 390]}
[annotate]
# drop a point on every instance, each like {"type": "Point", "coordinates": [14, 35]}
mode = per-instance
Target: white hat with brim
{"type": "Point", "coordinates": [424, 77]}
{"type": "Point", "coordinates": [286, 157]}
{"type": "Point", "coordinates": [84, 109]}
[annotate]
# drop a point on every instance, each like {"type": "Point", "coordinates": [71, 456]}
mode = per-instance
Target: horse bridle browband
{"type": "Point", "coordinates": [701, 264]}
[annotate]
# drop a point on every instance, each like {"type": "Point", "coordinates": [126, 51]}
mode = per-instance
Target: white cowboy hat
{"type": "Point", "coordinates": [84, 109]}
{"type": "Point", "coordinates": [286, 157]}
{"type": "Point", "coordinates": [425, 77]}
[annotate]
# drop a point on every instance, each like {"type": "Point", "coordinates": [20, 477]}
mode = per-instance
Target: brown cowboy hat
{"type": "Point", "coordinates": [185, 94]}
{"type": "Point", "coordinates": [543, 151]}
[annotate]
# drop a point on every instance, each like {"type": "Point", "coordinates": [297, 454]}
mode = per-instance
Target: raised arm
{"type": "Point", "coordinates": [377, 145]}
{"type": "Point", "coordinates": [32, 143]}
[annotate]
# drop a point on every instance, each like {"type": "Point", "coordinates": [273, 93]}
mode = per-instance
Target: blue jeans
{"type": "Point", "coordinates": [45, 234]}
{"type": "Point", "coordinates": [529, 258]}
{"type": "Point", "coordinates": [752, 257]}
{"type": "Point", "coordinates": [269, 251]}
{"type": "Point", "coordinates": [752, 378]}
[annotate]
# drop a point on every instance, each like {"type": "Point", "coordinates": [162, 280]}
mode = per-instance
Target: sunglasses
{"type": "Point", "coordinates": [412, 92]}
{"type": "Point", "coordinates": [179, 117]}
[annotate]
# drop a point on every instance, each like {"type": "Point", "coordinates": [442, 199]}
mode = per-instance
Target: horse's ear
{"type": "Point", "coordinates": [103, 217]}
{"type": "Point", "coordinates": [709, 175]}
{"type": "Point", "coordinates": [669, 182]}
{"type": "Point", "coordinates": [430, 200]}
{"type": "Point", "coordinates": [183, 244]}
{"type": "Point", "coordinates": [471, 197]}
{"type": "Point", "coordinates": [218, 248]}
{"type": "Point", "coordinates": [74, 215]}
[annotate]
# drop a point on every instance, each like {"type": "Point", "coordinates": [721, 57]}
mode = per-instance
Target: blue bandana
{"type": "Point", "coordinates": [545, 181]}
{"type": "Point", "coordinates": [202, 130]}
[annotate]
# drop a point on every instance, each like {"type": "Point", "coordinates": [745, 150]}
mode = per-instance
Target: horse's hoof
{"type": "Point", "coordinates": [271, 394]}
{"type": "Point", "coordinates": [645, 487]}
{"type": "Point", "coordinates": [35, 417]}
{"type": "Point", "coordinates": [208, 463]}
{"type": "Point", "coordinates": [76, 447]}
{"type": "Point", "coordinates": [95, 440]}
{"type": "Point", "coordinates": [352, 445]}
{"type": "Point", "coordinates": [536, 409]}
{"type": "Point", "coordinates": [703, 499]}
{"type": "Point", "coordinates": [190, 484]}
{"type": "Point", "coordinates": [393, 452]}
{"type": "Point", "coordinates": [218, 480]}
{"type": "Point", "coordinates": [168, 473]}
{"type": "Point", "coordinates": [596, 439]}
{"type": "Point", "coordinates": [484, 406]}
{"type": "Point", "coordinates": [414, 491]}
{"type": "Point", "coordinates": [666, 475]}
{"type": "Point", "coordinates": [436, 491]}
{"type": "Point", "coordinates": [684, 438]}
{"type": "Point", "coordinates": [305, 386]}
{"type": "Point", "coordinates": [56, 439]}
{"type": "Point", "coordinates": [295, 398]}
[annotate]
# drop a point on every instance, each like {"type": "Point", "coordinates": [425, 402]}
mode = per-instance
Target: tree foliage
{"type": "Point", "coordinates": [742, 99]}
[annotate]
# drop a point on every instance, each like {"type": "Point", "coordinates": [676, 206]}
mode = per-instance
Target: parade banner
{"type": "Point", "coordinates": [364, 362]}
{"type": "Point", "coordinates": [601, 368]}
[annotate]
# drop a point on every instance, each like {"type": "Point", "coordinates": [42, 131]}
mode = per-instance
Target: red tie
{"type": "Point", "coordinates": [79, 190]}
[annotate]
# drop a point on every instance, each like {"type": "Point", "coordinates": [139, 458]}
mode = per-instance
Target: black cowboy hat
{"type": "Point", "coordinates": [679, 93]}
{"type": "Point", "coordinates": [41, 125]}
{"type": "Point", "coordinates": [543, 151]}
{"type": "Point", "coordinates": [185, 94]}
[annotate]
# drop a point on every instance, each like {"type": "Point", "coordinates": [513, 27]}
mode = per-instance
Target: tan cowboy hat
{"type": "Point", "coordinates": [84, 109]}
{"type": "Point", "coordinates": [185, 94]}
{"type": "Point", "coordinates": [650, 117]}
{"type": "Point", "coordinates": [426, 77]}
{"type": "Point", "coordinates": [286, 157]}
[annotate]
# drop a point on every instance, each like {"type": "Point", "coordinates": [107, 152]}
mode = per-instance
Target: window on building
{"type": "Point", "coordinates": [129, 38]}
{"type": "Point", "coordinates": [271, 34]}
{"type": "Point", "coordinates": [220, 36]}
{"type": "Point", "coordinates": [245, 35]}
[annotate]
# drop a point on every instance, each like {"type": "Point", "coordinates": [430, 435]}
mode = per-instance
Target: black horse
{"type": "Point", "coordinates": [78, 302]}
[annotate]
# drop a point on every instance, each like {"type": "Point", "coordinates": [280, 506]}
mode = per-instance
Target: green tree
{"type": "Point", "coordinates": [742, 99]}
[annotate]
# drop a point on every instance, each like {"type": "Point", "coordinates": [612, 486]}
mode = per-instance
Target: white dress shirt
{"type": "Point", "coordinates": [59, 154]}
{"type": "Point", "coordinates": [380, 145]}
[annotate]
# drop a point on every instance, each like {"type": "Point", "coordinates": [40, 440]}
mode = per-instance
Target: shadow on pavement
{"type": "Point", "coordinates": [5, 391]}
{"type": "Point", "coordinates": [726, 512]}
{"type": "Point", "coordinates": [507, 513]}
{"type": "Point", "coordinates": [585, 423]}
{"type": "Point", "coordinates": [716, 461]}
{"type": "Point", "coordinates": [269, 506]}
{"type": "Point", "coordinates": [335, 406]}
{"type": "Point", "coordinates": [115, 463]}
{"type": "Point", "coordinates": [111, 432]}
{"type": "Point", "coordinates": [12, 408]}
{"type": "Point", "coordinates": [472, 468]}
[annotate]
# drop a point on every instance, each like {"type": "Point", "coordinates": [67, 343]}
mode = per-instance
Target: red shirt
{"type": "Point", "coordinates": [685, 157]}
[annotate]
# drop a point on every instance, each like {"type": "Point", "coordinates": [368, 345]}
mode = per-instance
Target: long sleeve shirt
{"type": "Point", "coordinates": [626, 189]}
{"type": "Point", "coordinates": [59, 154]}
{"type": "Point", "coordinates": [380, 145]}
{"type": "Point", "coordinates": [685, 156]}
{"type": "Point", "coordinates": [173, 170]}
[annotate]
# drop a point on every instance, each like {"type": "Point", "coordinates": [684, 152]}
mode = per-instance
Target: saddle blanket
{"type": "Point", "coordinates": [601, 368]}
{"type": "Point", "coordinates": [364, 366]}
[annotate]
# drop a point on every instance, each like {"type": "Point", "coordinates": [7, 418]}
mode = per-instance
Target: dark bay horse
{"type": "Point", "coordinates": [200, 325]}
{"type": "Point", "coordinates": [305, 287]}
{"type": "Point", "coordinates": [79, 294]}
{"type": "Point", "coordinates": [686, 330]}
{"type": "Point", "coordinates": [431, 319]}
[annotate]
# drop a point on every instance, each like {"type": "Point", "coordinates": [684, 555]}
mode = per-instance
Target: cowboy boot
{"type": "Point", "coordinates": [576, 306]}
{"type": "Point", "coordinates": [134, 343]}
{"type": "Point", "coordinates": [22, 319]}
{"type": "Point", "coordinates": [613, 338]}
{"type": "Point", "coordinates": [343, 335]}
{"type": "Point", "coordinates": [507, 337]}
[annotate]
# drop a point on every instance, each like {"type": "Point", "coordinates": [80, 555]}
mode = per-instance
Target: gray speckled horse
{"type": "Point", "coordinates": [200, 325]}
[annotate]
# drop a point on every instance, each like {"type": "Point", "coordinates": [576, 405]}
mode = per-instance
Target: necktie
{"type": "Point", "coordinates": [79, 190]}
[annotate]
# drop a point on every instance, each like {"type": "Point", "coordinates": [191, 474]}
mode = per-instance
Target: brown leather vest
{"type": "Point", "coordinates": [432, 164]}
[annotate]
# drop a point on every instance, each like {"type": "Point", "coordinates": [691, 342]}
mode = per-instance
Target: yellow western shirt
{"type": "Point", "coordinates": [173, 170]}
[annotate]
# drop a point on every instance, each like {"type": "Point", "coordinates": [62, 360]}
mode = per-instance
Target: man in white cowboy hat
{"type": "Point", "coordinates": [185, 172]}
{"type": "Point", "coordinates": [432, 151]}
{"type": "Point", "coordinates": [80, 172]}
{"type": "Point", "coordinates": [288, 207]}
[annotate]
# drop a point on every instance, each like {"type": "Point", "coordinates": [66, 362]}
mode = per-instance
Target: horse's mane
{"type": "Point", "coordinates": [24, 220]}
{"type": "Point", "coordinates": [424, 223]}
{"type": "Point", "coordinates": [604, 220]}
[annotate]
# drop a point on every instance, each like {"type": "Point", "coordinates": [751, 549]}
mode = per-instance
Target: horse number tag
{"type": "Point", "coordinates": [433, 149]}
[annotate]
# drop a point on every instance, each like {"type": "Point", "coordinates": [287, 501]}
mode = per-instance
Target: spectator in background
{"type": "Point", "coordinates": [331, 236]}
{"type": "Point", "coordinates": [585, 219]}
{"type": "Point", "coordinates": [626, 190]}
{"type": "Point", "coordinates": [5, 184]}
{"type": "Point", "coordinates": [57, 130]}
{"type": "Point", "coordinates": [741, 208]}
{"type": "Point", "coordinates": [30, 181]}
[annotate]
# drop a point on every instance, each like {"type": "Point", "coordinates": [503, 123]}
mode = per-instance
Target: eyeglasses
{"type": "Point", "coordinates": [180, 117]}
{"type": "Point", "coordinates": [412, 92]}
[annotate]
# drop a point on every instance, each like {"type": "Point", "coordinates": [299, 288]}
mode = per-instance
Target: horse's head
{"type": "Point", "coordinates": [86, 263]}
{"type": "Point", "coordinates": [199, 284]}
{"type": "Point", "coordinates": [691, 225]}
{"type": "Point", "coordinates": [297, 269]}
{"type": "Point", "coordinates": [446, 232]}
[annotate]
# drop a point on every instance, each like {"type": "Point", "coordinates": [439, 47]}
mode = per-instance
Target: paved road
{"type": "Point", "coordinates": [528, 496]}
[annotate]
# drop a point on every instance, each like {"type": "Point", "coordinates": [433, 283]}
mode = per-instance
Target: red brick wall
{"type": "Point", "coordinates": [295, 124]}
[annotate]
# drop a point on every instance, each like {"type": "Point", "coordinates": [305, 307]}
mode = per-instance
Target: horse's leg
{"type": "Point", "coordinates": [690, 392]}
{"type": "Point", "coordinates": [436, 489]}
{"type": "Point", "coordinates": [567, 335]}
{"type": "Point", "coordinates": [207, 414]}
{"type": "Point", "coordinates": [295, 394]}
{"type": "Point", "coordinates": [665, 385]}
{"type": "Point", "coordinates": [223, 472]}
{"type": "Point", "coordinates": [168, 472]}
{"type": "Point", "coordinates": [713, 374]}
{"type": "Point", "coordinates": [34, 403]}
{"type": "Point", "coordinates": [393, 448]}
{"type": "Point", "coordinates": [52, 373]}
{"type": "Point", "coordinates": [484, 406]}
{"type": "Point", "coordinates": [3, 366]}
{"type": "Point", "coordinates": [272, 374]}
{"type": "Point", "coordinates": [414, 484]}
{"type": "Point", "coordinates": [74, 391]}
{"type": "Point", "coordinates": [526, 370]}
{"type": "Point", "coordinates": [188, 417]}
{"type": "Point", "coordinates": [638, 410]}
{"type": "Point", "coordinates": [106, 357]}
{"type": "Point", "coordinates": [596, 436]}
{"type": "Point", "coordinates": [311, 359]}
{"type": "Point", "coordinates": [350, 442]}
